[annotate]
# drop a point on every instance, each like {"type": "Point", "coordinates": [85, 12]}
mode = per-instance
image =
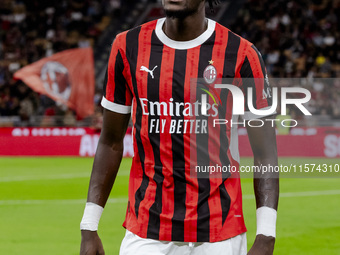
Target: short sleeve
{"type": "Point", "coordinates": [253, 74]}
{"type": "Point", "coordinates": [117, 94]}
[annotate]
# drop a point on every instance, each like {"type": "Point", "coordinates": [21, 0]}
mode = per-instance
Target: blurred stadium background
{"type": "Point", "coordinates": [42, 198]}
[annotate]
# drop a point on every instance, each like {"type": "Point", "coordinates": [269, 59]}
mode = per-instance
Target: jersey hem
{"type": "Point", "coordinates": [119, 108]}
{"type": "Point", "coordinates": [213, 239]}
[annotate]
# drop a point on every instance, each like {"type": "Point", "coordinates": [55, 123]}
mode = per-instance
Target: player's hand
{"type": "Point", "coordinates": [263, 245]}
{"type": "Point", "coordinates": [91, 243]}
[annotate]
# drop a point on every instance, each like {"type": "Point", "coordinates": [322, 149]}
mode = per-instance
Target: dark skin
{"type": "Point", "coordinates": [105, 167]}
{"type": "Point", "coordinates": [188, 28]}
{"type": "Point", "coordinates": [110, 146]}
{"type": "Point", "coordinates": [266, 186]}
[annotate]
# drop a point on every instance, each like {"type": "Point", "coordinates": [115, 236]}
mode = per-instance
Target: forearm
{"type": "Point", "coordinates": [266, 185]}
{"type": "Point", "coordinates": [105, 168]}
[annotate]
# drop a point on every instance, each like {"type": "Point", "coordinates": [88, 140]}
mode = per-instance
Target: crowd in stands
{"type": "Point", "coordinates": [296, 38]}
{"type": "Point", "coordinates": [33, 29]}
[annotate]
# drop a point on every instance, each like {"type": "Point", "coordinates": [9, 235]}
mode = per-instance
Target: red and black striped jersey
{"type": "Point", "coordinates": [151, 75]}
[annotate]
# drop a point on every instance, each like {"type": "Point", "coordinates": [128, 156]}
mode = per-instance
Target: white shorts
{"type": "Point", "coordinates": [135, 245]}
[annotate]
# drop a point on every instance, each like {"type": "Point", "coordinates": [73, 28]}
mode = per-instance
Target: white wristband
{"type": "Point", "coordinates": [91, 217]}
{"type": "Point", "coordinates": [266, 221]}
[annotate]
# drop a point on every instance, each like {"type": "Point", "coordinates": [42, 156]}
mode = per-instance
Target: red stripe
{"type": "Point", "coordinates": [134, 181]}
{"type": "Point", "coordinates": [126, 72]}
{"type": "Point", "coordinates": [232, 184]}
{"type": "Point", "coordinates": [110, 86]}
{"type": "Point", "coordinates": [214, 201]}
{"type": "Point", "coordinates": [118, 45]}
{"type": "Point", "coordinates": [129, 94]}
{"type": "Point", "coordinates": [190, 152]}
{"type": "Point", "coordinates": [165, 93]}
{"type": "Point", "coordinates": [241, 54]}
{"type": "Point", "coordinates": [144, 48]}
{"type": "Point", "coordinates": [255, 64]}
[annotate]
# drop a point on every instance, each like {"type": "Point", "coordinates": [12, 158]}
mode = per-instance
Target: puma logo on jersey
{"type": "Point", "coordinates": [143, 68]}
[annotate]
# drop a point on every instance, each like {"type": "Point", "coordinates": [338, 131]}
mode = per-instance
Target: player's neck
{"type": "Point", "coordinates": [185, 29]}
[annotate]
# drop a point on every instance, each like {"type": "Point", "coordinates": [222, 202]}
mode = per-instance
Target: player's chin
{"type": "Point", "coordinates": [174, 5]}
{"type": "Point", "coordinates": [174, 9]}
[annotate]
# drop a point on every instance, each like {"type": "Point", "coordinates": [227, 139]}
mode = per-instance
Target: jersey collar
{"type": "Point", "coordinates": [183, 45]}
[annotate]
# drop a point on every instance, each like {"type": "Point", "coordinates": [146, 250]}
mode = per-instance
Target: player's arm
{"type": "Point", "coordinates": [117, 101]}
{"type": "Point", "coordinates": [263, 143]}
{"type": "Point", "coordinates": [105, 167]}
{"type": "Point", "coordinates": [266, 187]}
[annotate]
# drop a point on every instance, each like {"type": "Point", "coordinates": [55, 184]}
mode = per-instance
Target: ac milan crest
{"type": "Point", "coordinates": [56, 80]}
{"type": "Point", "coordinates": [210, 73]}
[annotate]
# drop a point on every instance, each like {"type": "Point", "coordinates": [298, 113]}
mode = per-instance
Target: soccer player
{"type": "Point", "coordinates": [169, 211]}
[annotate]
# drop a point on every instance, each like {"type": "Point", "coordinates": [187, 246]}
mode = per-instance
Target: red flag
{"type": "Point", "coordinates": [66, 77]}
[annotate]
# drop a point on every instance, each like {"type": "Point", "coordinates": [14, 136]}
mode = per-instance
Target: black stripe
{"type": "Point", "coordinates": [202, 140]}
{"type": "Point", "coordinates": [248, 81]}
{"type": "Point", "coordinates": [231, 54]}
{"type": "Point", "coordinates": [153, 95]}
{"type": "Point", "coordinates": [106, 74]}
{"type": "Point", "coordinates": [263, 68]}
{"type": "Point", "coordinates": [132, 41]}
{"type": "Point", "coordinates": [120, 82]}
{"type": "Point", "coordinates": [264, 72]}
{"type": "Point", "coordinates": [224, 143]}
{"type": "Point", "coordinates": [178, 149]}
{"type": "Point", "coordinates": [230, 61]}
